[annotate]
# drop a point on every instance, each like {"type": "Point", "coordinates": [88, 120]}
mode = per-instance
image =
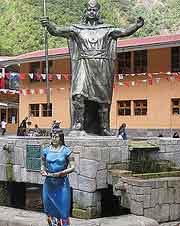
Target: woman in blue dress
{"type": "Point", "coordinates": [56, 164]}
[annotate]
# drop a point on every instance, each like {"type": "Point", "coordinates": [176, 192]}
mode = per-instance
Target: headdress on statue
{"type": "Point", "coordinates": [93, 3]}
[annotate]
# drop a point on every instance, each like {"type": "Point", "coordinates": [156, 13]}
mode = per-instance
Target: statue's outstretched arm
{"type": "Point", "coordinates": [54, 30]}
{"type": "Point", "coordinates": [117, 33]}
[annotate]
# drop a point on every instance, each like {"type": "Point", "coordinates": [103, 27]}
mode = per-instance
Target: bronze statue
{"type": "Point", "coordinates": [92, 46]}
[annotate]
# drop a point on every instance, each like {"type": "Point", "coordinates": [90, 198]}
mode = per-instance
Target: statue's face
{"type": "Point", "coordinates": [92, 13]}
{"type": "Point", "coordinates": [55, 139]}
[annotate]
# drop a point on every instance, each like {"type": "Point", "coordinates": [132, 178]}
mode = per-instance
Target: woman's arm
{"type": "Point", "coordinates": [118, 32]}
{"type": "Point", "coordinates": [70, 169]}
{"type": "Point", "coordinates": [43, 167]}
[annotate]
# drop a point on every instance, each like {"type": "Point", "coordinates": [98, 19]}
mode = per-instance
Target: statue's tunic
{"type": "Point", "coordinates": [92, 51]}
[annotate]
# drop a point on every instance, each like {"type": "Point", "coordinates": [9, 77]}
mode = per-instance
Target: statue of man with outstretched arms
{"type": "Point", "coordinates": [92, 46]}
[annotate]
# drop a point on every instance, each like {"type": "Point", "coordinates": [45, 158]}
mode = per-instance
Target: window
{"type": "Point", "coordinates": [124, 107]}
{"type": "Point", "coordinates": [140, 107]}
{"type": "Point", "coordinates": [140, 61]}
{"type": "Point", "coordinates": [45, 112]}
{"type": "Point", "coordinates": [35, 67]}
{"type": "Point", "coordinates": [176, 106]}
{"type": "Point", "coordinates": [12, 115]}
{"type": "Point", "coordinates": [50, 64]}
{"type": "Point", "coordinates": [175, 59]}
{"type": "Point", "coordinates": [34, 110]}
{"type": "Point", "coordinates": [124, 63]}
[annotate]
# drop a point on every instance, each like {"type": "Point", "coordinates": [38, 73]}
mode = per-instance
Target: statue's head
{"type": "Point", "coordinates": [92, 11]}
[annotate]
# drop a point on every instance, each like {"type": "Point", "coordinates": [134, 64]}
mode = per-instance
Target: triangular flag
{"type": "Point", "coordinates": [32, 91]}
{"type": "Point", "coordinates": [22, 75]}
{"type": "Point", "coordinates": [28, 91]}
{"type": "Point", "coordinates": [31, 75]}
{"type": "Point", "coordinates": [120, 76]}
{"type": "Point", "coordinates": [126, 83]}
{"type": "Point", "coordinates": [7, 75]}
{"type": "Point", "coordinates": [41, 91]}
{"type": "Point", "coordinates": [24, 91]}
{"type": "Point", "coordinates": [66, 77]}
{"type": "Point", "coordinates": [37, 76]}
{"type": "Point", "coordinates": [178, 77]}
{"type": "Point", "coordinates": [59, 76]}
{"type": "Point", "coordinates": [121, 83]}
{"type": "Point", "coordinates": [133, 83]}
{"type": "Point", "coordinates": [157, 80]}
{"type": "Point", "coordinates": [43, 76]}
{"type": "Point", "coordinates": [174, 74]}
{"type": "Point", "coordinates": [50, 77]}
{"type": "Point", "coordinates": [20, 91]}
{"type": "Point", "coordinates": [150, 82]}
{"type": "Point", "coordinates": [36, 91]}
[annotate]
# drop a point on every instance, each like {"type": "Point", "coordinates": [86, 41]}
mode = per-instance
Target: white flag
{"type": "Point", "coordinates": [59, 76]}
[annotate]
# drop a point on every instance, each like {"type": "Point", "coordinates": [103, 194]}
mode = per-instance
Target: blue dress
{"type": "Point", "coordinates": [56, 191]}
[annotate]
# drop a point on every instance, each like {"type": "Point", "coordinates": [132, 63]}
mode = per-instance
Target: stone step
{"type": "Point", "coordinates": [17, 217]}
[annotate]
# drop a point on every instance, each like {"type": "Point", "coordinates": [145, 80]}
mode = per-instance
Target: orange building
{"type": "Point", "coordinates": [146, 89]}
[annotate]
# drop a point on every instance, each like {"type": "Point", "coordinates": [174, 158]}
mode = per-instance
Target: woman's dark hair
{"type": "Point", "coordinates": [60, 133]}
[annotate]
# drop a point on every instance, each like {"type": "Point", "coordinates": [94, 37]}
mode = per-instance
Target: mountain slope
{"type": "Point", "coordinates": [21, 30]}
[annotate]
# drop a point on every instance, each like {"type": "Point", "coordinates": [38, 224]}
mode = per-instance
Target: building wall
{"type": "Point", "coordinates": [158, 96]}
{"type": "Point", "coordinates": [5, 111]}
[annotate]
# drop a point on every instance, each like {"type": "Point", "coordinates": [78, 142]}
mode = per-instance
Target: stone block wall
{"type": "Point", "coordinates": [92, 155]}
{"type": "Point", "coordinates": [170, 150]}
{"type": "Point", "coordinates": [154, 198]}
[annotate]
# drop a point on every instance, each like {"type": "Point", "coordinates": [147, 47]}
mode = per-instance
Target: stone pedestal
{"type": "Point", "coordinates": [92, 156]}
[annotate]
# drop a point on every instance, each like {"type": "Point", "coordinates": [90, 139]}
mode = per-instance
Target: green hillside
{"type": "Point", "coordinates": [21, 31]}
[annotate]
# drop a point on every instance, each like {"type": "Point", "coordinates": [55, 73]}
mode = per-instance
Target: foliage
{"type": "Point", "coordinates": [21, 30]}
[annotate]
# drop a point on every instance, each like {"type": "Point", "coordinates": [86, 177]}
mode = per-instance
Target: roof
{"type": "Point", "coordinates": [162, 41]}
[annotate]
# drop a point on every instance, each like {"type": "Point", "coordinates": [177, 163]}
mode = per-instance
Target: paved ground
{"type": "Point", "coordinates": [17, 217]}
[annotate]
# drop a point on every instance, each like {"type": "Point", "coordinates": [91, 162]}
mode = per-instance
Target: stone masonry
{"type": "Point", "coordinates": [154, 198]}
{"type": "Point", "coordinates": [92, 154]}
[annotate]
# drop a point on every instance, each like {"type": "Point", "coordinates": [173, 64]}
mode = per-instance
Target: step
{"type": "Point", "coordinates": [17, 217]}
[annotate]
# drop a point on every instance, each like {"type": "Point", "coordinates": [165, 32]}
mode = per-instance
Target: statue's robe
{"type": "Point", "coordinates": [92, 51]}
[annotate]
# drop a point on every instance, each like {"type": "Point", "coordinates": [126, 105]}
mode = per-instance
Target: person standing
{"type": "Point", "coordinates": [122, 134]}
{"type": "Point", "coordinates": [22, 128]}
{"type": "Point", "coordinates": [56, 163]}
{"type": "Point", "coordinates": [3, 126]}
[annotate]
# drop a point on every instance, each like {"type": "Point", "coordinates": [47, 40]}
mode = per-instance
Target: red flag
{"type": "Point", "coordinates": [28, 91]}
{"type": "Point", "coordinates": [178, 78]}
{"type": "Point", "coordinates": [22, 75]}
{"type": "Point", "coordinates": [38, 76]}
{"type": "Point", "coordinates": [7, 75]}
{"type": "Point", "coordinates": [20, 91]}
{"type": "Point", "coordinates": [150, 81]}
{"type": "Point", "coordinates": [66, 77]}
{"type": "Point", "coordinates": [2, 84]}
{"type": "Point", "coordinates": [126, 83]}
{"type": "Point", "coordinates": [36, 91]}
{"type": "Point", "coordinates": [167, 78]}
{"type": "Point", "coordinates": [149, 75]}
{"type": "Point", "coordinates": [50, 77]}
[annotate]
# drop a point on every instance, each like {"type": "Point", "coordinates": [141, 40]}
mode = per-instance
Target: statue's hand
{"type": "Point", "coordinates": [140, 22]}
{"type": "Point", "coordinates": [44, 21]}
